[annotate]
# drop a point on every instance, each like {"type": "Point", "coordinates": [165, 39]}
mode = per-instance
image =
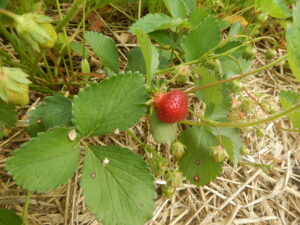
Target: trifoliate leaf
{"type": "Point", "coordinates": [9, 217]}
{"type": "Point", "coordinates": [45, 162]}
{"type": "Point", "coordinates": [287, 100]}
{"type": "Point", "coordinates": [8, 115]}
{"type": "Point", "coordinates": [52, 111]}
{"type": "Point", "coordinates": [105, 48]}
{"type": "Point", "coordinates": [197, 163]}
{"type": "Point", "coordinates": [117, 186]}
{"type": "Point", "coordinates": [116, 103]}
{"type": "Point", "coordinates": [201, 40]}
{"type": "Point", "coordinates": [164, 133]}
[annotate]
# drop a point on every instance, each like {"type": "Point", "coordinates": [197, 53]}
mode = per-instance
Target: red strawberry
{"type": "Point", "coordinates": [172, 106]}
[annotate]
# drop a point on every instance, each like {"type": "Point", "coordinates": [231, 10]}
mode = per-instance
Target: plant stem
{"type": "Point", "coordinates": [71, 13]}
{"type": "Point", "coordinates": [207, 122]}
{"type": "Point", "coordinates": [25, 209]}
{"type": "Point", "coordinates": [146, 147]}
{"type": "Point", "coordinates": [8, 13]}
{"type": "Point", "coordinates": [266, 168]}
{"type": "Point", "coordinates": [238, 76]}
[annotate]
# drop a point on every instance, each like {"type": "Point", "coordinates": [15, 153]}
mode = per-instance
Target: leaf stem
{"type": "Point", "coordinates": [25, 209]}
{"type": "Point", "coordinates": [206, 122]}
{"type": "Point", "coordinates": [238, 76]}
{"type": "Point", "coordinates": [70, 14]}
{"type": "Point", "coordinates": [8, 13]}
{"type": "Point", "coordinates": [146, 147]}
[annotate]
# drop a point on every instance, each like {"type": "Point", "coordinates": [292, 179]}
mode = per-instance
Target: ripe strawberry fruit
{"type": "Point", "coordinates": [172, 106]}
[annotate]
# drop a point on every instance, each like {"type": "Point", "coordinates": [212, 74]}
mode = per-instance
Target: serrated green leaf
{"type": "Point", "coordinates": [8, 115]}
{"type": "Point", "coordinates": [201, 40]}
{"type": "Point", "coordinates": [9, 217]}
{"type": "Point", "coordinates": [150, 53]}
{"type": "Point", "coordinates": [45, 162]}
{"type": "Point", "coordinates": [157, 21]}
{"type": "Point", "coordinates": [116, 103]}
{"type": "Point", "coordinates": [197, 164]}
{"type": "Point", "coordinates": [164, 133]}
{"type": "Point", "coordinates": [52, 111]}
{"type": "Point", "coordinates": [198, 15]}
{"type": "Point", "coordinates": [136, 62]}
{"type": "Point", "coordinates": [105, 48]}
{"type": "Point", "coordinates": [293, 45]}
{"type": "Point", "coordinates": [288, 99]}
{"type": "Point", "coordinates": [276, 8]}
{"type": "Point", "coordinates": [180, 8]}
{"type": "Point", "coordinates": [117, 186]}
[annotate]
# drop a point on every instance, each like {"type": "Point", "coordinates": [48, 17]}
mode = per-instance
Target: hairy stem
{"type": "Point", "coordinates": [207, 122]}
{"type": "Point", "coordinates": [238, 76]}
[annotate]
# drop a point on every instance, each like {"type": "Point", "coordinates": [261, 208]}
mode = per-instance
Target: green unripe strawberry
{"type": "Point", "coordinates": [177, 149]}
{"type": "Point", "coordinates": [219, 154]}
{"type": "Point", "coordinates": [249, 53]}
{"type": "Point", "coordinates": [261, 18]}
{"type": "Point", "coordinates": [245, 150]}
{"type": "Point", "coordinates": [270, 54]}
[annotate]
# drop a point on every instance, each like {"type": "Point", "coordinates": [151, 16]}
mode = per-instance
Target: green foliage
{"type": "Point", "coordinates": [275, 8]}
{"type": "Point", "coordinates": [202, 40]}
{"type": "Point", "coordinates": [45, 162]}
{"type": "Point", "coordinates": [8, 115]}
{"type": "Point", "coordinates": [288, 99]}
{"type": "Point", "coordinates": [198, 15]}
{"type": "Point", "coordinates": [293, 45]}
{"type": "Point", "coordinates": [106, 50]}
{"type": "Point", "coordinates": [116, 103]}
{"type": "Point", "coordinates": [150, 53]}
{"type": "Point", "coordinates": [117, 186]}
{"type": "Point", "coordinates": [180, 8]}
{"type": "Point", "coordinates": [197, 163]}
{"type": "Point", "coordinates": [52, 111]}
{"type": "Point", "coordinates": [164, 133]}
{"type": "Point", "coordinates": [9, 217]}
{"type": "Point", "coordinates": [136, 62]}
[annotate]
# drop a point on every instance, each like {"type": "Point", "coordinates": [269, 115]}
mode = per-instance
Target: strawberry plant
{"type": "Point", "coordinates": [185, 54]}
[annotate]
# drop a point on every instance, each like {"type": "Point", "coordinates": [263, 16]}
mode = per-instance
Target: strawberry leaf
{"type": "Point", "coordinates": [197, 163]}
{"type": "Point", "coordinates": [150, 53]}
{"type": "Point", "coordinates": [116, 103]}
{"type": "Point", "coordinates": [46, 162]}
{"type": "Point", "coordinates": [9, 217]}
{"type": "Point", "coordinates": [52, 111]}
{"type": "Point", "coordinates": [201, 40]}
{"type": "Point", "coordinates": [288, 99]}
{"type": "Point", "coordinates": [275, 8]}
{"type": "Point", "coordinates": [8, 115]}
{"type": "Point", "coordinates": [180, 8]}
{"type": "Point", "coordinates": [198, 15]}
{"type": "Point", "coordinates": [136, 62]}
{"type": "Point", "coordinates": [164, 133]}
{"type": "Point", "coordinates": [105, 48]}
{"type": "Point", "coordinates": [293, 45]}
{"type": "Point", "coordinates": [117, 186]}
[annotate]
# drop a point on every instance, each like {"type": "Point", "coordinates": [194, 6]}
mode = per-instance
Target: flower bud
{"type": "Point", "coordinates": [36, 30]}
{"type": "Point", "coordinates": [14, 86]}
{"type": "Point", "coordinates": [219, 154]}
